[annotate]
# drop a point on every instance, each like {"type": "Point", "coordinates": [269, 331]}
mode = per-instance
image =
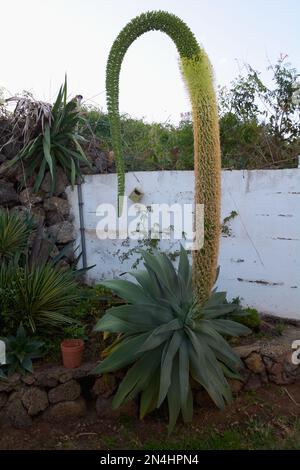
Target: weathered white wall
{"type": "Point", "coordinates": [260, 260]}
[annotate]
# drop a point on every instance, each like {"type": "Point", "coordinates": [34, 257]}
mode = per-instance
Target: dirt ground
{"type": "Point", "coordinates": [266, 419]}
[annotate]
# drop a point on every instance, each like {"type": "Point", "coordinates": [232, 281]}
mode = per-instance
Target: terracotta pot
{"type": "Point", "coordinates": [72, 351]}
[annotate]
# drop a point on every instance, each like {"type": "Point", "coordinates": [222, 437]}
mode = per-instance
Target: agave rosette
{"type": "Point", "coordinates": [169, 339]}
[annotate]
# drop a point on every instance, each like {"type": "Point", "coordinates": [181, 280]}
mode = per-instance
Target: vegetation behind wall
{"type": "Point", "coordinates": [259, 127]}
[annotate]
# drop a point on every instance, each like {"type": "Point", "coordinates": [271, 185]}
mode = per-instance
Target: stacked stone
{"type": "Point", "coordinates": [56, 393]}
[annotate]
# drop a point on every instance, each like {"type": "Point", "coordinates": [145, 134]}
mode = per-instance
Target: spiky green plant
{"type": "Point", "coordinates": [198, 77]}
{"type": "Point", "coordinates": [58, 143]}
{"type": "Point", "coordinates": [14, 234]}
{"type": "Point", "coordinates": [169, 339]}
{"type": "Point", "coordinates": [39, 297]}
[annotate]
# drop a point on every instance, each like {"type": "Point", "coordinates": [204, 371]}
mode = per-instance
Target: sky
{"type": "Point", "coordinates": [41, 40]}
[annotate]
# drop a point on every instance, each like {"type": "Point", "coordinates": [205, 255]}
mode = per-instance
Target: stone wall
{"type": "Point", "coordinates": [55, 393]}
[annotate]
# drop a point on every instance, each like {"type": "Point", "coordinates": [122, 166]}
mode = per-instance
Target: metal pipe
{"type": "Point", "coordinates": [81, 221]}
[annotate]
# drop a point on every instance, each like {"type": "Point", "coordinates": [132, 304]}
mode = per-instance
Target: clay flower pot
{"type": "Point", "coordinates": [72, 351]}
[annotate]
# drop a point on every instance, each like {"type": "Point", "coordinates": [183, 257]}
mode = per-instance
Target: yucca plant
{"type": "Point", "coordinates": [20, 351]}
{"type": "Point", "coordinates": [14, 234]}
{"type": "Point", "coordinates": [58, 143]}
{"type": "Point", "coordinates": [40, 297]}
{"type": "Point", "coordinates": [169, 339]}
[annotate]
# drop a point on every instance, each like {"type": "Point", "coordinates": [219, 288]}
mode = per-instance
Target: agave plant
{"type": "Point", "coordinates": [14, 234]}
{"type": "Point", "coordinates": [58, 143]}
{"type": "Point", "coordinates": [169, 339]}
{"type": "Point", "coordinates": [20, 350]}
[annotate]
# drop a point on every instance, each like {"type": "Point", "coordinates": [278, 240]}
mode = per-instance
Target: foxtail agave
{"type": "Point", "coordinates": [168, 339]}
{"type": "Point", "coordinates": [198, 77]}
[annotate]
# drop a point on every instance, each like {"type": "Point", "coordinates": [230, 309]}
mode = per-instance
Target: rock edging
{"type": "Point", "coordinates": [56, 393]}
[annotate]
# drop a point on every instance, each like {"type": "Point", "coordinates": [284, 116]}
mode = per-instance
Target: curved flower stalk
{"type": "Point", "coordinates": [167, 339]}
{"type": "Point", "coordinates": [198, 77]}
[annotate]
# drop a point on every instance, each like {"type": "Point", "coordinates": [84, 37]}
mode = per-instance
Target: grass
{"type": "Point", "coordinates": [256, 435]}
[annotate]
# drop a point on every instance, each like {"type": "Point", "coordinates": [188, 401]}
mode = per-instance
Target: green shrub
{"type": "Point", "coordinates": [169, 339]}
{"type": "Point", "coordinates": [247, 316]}
{"type": "Point", "coordinates": [250, 319]}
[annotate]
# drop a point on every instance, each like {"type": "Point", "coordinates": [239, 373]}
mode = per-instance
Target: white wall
{"type": "Point", "coordinates": [260, 261]}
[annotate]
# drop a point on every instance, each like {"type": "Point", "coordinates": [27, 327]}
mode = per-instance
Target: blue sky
{"type": "Point", "coordinates": [42, 39]}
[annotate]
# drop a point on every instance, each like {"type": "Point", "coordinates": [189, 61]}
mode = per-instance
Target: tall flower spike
{"type": "Point", "coordinates": [198, 76]}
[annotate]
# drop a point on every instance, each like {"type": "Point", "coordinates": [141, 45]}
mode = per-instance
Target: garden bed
{"type": "Point", "coordinates": [268, 418]}
{"type": "Point", "coordinates": [53, 393]}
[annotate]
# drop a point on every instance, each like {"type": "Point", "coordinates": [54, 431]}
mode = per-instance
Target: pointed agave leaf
{"type": "Point", "coordinates": [229, 327]}
{"type": "Point", "coordinates": [184, 381]}
{"type": "Point", "coordinates": [173, 394]}
{"type": "Point", "coordinates": [168, 297]}
{"type": "Point", "coordinates": [147, 282]}
{"type": "Point", "coordinates": [143, 314]}
{"type": "Point", "coordinates": [200, 376]}
{"type": "Point", "coordinates": [187, 408]}
{"type": "Point", "coordinates": [149, 396]}
{"type": "Point", "coordinates": [155, 340]}
{"type": "Point", "coordinates": [126, 353]}
{"type": "Point", "coordinates": [231, 374]}
{"type": "Point", "coordinates": [221, 348]}
{"type": "Point", "coordinates": [208, 372]}
{"type": "Point", "coordinates": [137, 377]}
{"type": "Point", "coordinates": [197, 360]}
{"type": "Point", "coordinates": [165, 292]}
{"type": "Point", "coordinates": [184, 270]}
{"type": "Point", "coordinates": [161, 334]}
{"type": "Point", "coordinates": [167, 267]}
{"type": "Point", "coordinates": [218, 311]}
{"type": "Point", "coordinates": [214, 369]}
{"type": "Point", "coordinates": [128, 291]}
{"type": "Point", "coordinates": [166, 365]}
{"type": "Point", "coordinates": [164, 270]}
{"type": "Point", "coordinates": [217, 298]}
{"type": "Point", "coordinates": [111, 324]}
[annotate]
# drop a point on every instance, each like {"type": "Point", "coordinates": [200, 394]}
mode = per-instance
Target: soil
{"type": "Point", "coordinates": [278, 407]}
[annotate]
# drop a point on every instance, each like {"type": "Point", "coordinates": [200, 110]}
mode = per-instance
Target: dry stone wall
{"type": "Point", "coordinates": [55, 393]}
